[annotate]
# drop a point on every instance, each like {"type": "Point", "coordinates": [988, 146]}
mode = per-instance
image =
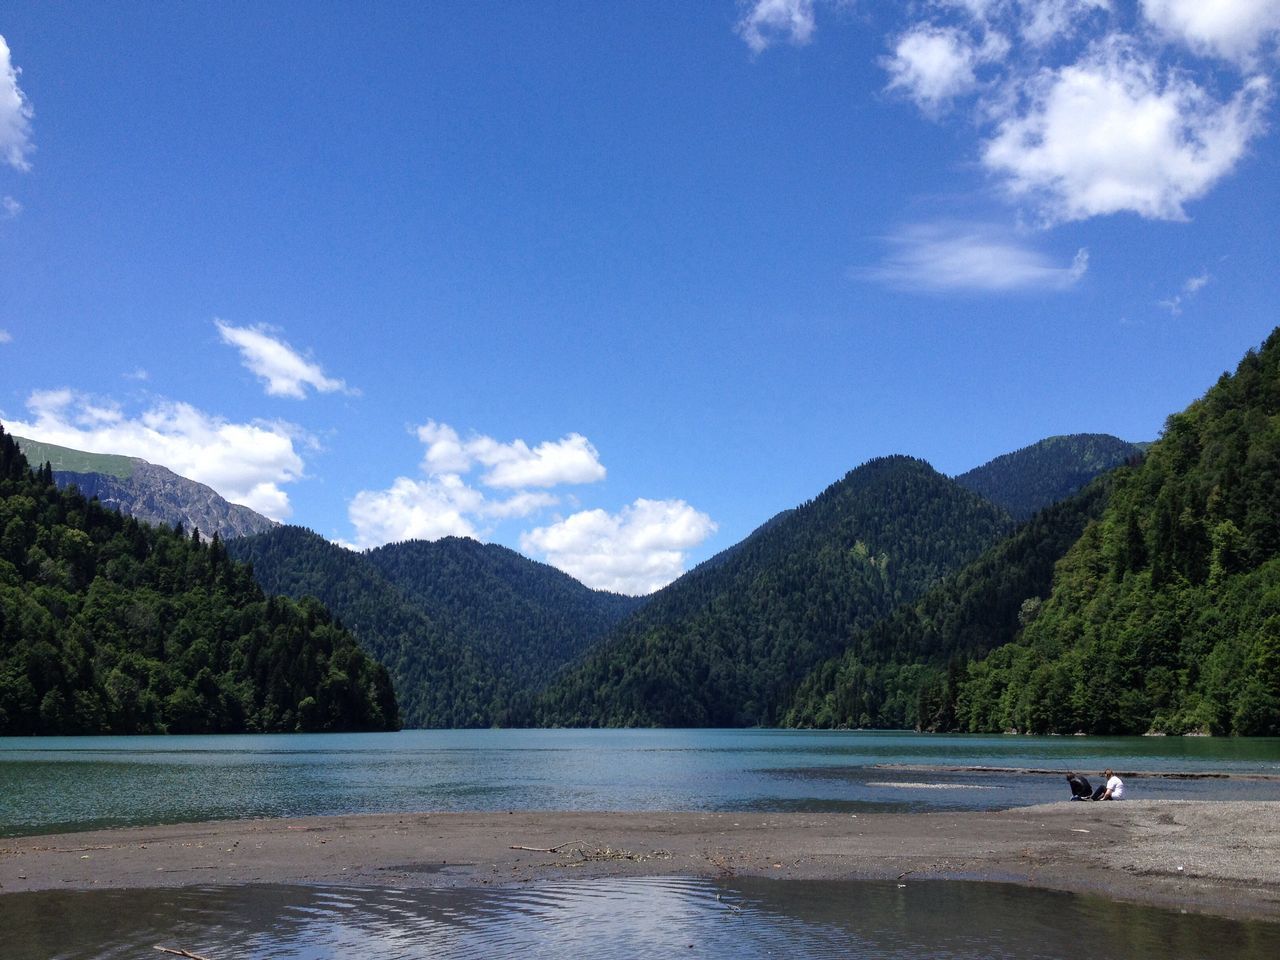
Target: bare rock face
{"type": "Point", "coordinates": [157, 495]}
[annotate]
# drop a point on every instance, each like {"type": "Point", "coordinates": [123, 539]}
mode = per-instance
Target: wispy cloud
{"type": "Point", "coordinates": [638, 550]}
{"type": "Point", "coordinates": [1190, 287]}
{"type": "Point", "coordinates": [765, 22]}
{"type": "Point", "coordinates": [15, 114]}
{"type": "Point", "coordinates": [966, 256]}
{"type": "Point", "coordinates": [5, 336]}
{"type": "Point", "coordinates": [245, 462]}
{"type": "Point", "coordinates": [9, 208]}
{"type": "Point", "coordinates": [284, 371]}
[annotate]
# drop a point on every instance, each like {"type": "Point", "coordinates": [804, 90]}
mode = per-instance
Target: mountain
{"type": "Point", "coordinates": [1165, 614]}
{"type": "Point", "coordinates": [467, 630]}
{"type": "Point", "coordinates": [903, 672]}
{"type": "Point", "coordinates": [527, 618]}
{"type": "Point", "coordinates": [1043, 473]}
{"type": "Point", "coordinates": [109, 625]}
{"type": "Point", "coordinates": [726, 644]}
{"type": "Point", "coordinates": [150, 493]}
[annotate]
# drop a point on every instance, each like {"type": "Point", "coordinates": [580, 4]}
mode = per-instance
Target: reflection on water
{"type": "Point", "coordinates": [74, 783]}
{"type": "Point", "coordinates": [660, 917]}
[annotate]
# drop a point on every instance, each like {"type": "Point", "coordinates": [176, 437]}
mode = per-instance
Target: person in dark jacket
{"type": "Point", "coordinates": [1081, 789]}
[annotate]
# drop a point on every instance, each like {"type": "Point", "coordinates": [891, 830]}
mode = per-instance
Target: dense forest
{"type": "Point", "coordinates": [1028, 480]}
{"type": "Point", "coordinates": [108, 625]}
{"type": "Point", "coordinates": [727, 644]}
{"type": "Point", "coordinates": [468, 630]}
{"type": "Point", "coordinates": [905, 670]}
{"type": "Point", "coordinates": [1165, 615]}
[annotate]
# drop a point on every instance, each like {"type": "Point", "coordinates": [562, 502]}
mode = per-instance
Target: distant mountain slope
{"type": "Point", "coordinates": [467, 630]}
{"type": "Point", "coordinates": [903, 672]}
{"type": "Point", "coordinates": [150, 493]}
{"type": "Point", "coordinates": [726, 644]}
{"type": "Point", "coordinates": [1165, 614]}
{"type": "Point", "coordinates": [108, 625]}
{"type": "Point", "coordinates": [530, 618]}
{"type": "Point", "coordinates": [1043, 473]}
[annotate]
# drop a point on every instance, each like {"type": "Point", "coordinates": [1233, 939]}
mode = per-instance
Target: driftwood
{"type": "Point", "coordinates": [556, 849]}
{"type": "Point", "coordinates": [585, 853]}
{"type": "Point", "coordinates": [179, 952]}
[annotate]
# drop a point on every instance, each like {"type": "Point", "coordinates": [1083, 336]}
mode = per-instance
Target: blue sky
{"type": "Point", "coordinates": [613, 283]}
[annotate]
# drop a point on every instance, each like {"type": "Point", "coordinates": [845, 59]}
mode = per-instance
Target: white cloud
{"type": "Point", "coordinates": [5, 336]}
{"type": "Point", "coordinates": [15, 115]}
{"type": "Point", "coordinates": [932, 65]}
{"type": "Point", "coordinates": [571, 459]}
{"type": "Point", "coordinates": [445, 504]}
{"type": "Point", "coordinates": [245, 462]}
{"type": "Point", "coordinates": [414, 510]}
{"type": "Point", "coordinates": [285, 372]}
{"type": "Point", "coordinates": [138, 373]}
{"type": "Point", "coordinates": [1231, 29]}
{"type": "Point", "coordinates": [766, 21]}
{"type": "Point", "coordinates": [966, 256]}
{"type": "Point", "coordinates": [1110, 135]}
{"type": "Point", "coordinates": [1074, 118]}
{"type": "Point", "coordinates": [637, 550]}
{"type": "Point", "coordinates": [9, 208]}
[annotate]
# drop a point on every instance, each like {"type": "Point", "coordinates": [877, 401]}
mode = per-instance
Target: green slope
{"type": "Point", "coordinates": [1028, 480]}
{"type": "Point", "coordinates": [903, 672]}
{"type": "Point", "coordinates": [66, 460]}
{"type": "Point", "coordinates": [526, 618]}
{"type": "Point", "coordinates": [1165, 615]}
{"type": "Point", "coordinates": [727, 644]}
{"type": "Point", "coordinates": [108, 625]}
{"type": "Point", "coordinates": [467, 630]}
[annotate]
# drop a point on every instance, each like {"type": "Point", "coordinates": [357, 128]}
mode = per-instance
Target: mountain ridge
{"type": "Point", "coordinates": [722, 645]}
{"type": "Point", "coordinates": [146, 491]}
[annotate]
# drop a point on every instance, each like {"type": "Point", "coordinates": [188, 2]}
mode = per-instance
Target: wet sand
{"type": "Point", "coordinates": [1212, 857]}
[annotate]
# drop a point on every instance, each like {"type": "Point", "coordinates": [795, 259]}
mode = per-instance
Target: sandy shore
{"type": "Point", "coordinates": [1212, 857]}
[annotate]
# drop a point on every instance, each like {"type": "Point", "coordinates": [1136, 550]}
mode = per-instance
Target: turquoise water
{"type": "Point", "coordinates": [72, 783]}
{"type": "Point", "coordinates": [622, 919]}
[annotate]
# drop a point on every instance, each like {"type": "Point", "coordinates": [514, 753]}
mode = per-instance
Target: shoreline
{"type": "Point", "coordinates": [1213, 857]}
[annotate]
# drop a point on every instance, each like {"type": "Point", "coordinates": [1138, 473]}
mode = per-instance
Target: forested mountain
{"type": "Point", "coordinates": [467, 630]}
{"type": "Point", "coordinates": [726, 644]}
{"type": "Point", "coordinates": [1043, 473]}
{"type": "Point", "coordinates": [151, 493]}
{"type": "Point", "coordinates": [904, 671]}
{"type": "Point", "coordinates": [1165, 615]}
{"type": "Point", "coordinates": [527, 617]}
{"type": "Point", "coordinates": [108, 625]}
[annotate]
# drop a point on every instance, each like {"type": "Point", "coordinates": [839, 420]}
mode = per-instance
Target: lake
{"type": "Point", "coordinates": [61, 784]}
{"type": "Point", "coordinates": [73, 783]}
{"type": "Point", "coordinates": [617, 920]}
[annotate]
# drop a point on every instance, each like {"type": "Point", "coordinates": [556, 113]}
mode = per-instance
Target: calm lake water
{"type": "Point", "coordinates": [74, 783]}
{"type": "Point", "coordinates": [623, 919]}
{"type": "Point", "coordinates": [57, 784]}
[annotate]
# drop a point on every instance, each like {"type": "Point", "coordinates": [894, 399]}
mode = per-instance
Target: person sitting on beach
{"type": "Point", "coordinates": [1081, 789]}
{"type": "Point", "coordinates": [1113, 789]}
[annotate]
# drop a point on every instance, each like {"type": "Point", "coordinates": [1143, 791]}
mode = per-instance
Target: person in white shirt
{"type": "Point", "coordinates": [1113, 789]}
